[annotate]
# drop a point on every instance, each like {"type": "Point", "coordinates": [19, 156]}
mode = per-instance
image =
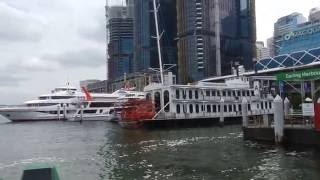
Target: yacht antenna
{"type": "Point", "coordinates": [155, 12]}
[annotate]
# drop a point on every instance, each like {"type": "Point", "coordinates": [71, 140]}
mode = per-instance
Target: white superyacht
{"type": "Point", "coordinates": [66, 103]}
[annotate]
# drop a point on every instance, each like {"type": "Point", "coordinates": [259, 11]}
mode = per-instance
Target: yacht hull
{"type": "Point", "coordinates": [16, 115]}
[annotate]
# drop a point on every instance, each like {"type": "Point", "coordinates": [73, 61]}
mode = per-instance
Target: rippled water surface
{"type": "Point", "coordinates": [102, 150]}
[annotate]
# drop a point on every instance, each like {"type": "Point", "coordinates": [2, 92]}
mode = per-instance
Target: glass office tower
{"type": "Point", "coordinates": [197, 37]}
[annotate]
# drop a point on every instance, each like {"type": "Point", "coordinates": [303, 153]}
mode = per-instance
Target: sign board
{"type": "Point", "coordinates": [302, 32]}
{"type": "Point", "coordinates": [307, 109]}
{"type": "Point", "coordinates": [309, 74]}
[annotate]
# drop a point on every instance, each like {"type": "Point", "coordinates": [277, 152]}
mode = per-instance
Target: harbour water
{"type": "Point", "coordinates": [103, 150]}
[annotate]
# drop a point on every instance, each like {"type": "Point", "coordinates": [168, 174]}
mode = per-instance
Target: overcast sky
{"type": "Point", "coordinates": [45, 43]}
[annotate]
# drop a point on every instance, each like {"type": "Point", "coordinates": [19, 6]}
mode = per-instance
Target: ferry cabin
{"type": "Point", "coordinates": [207, 100]}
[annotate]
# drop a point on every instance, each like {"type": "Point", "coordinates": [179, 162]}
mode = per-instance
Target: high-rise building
{"type": "Point", "coordinates": [314, 15]}
{"type": "Point", "coordinates": [145, 47]}
{"type": "Point", "coordinates": [297, 34]}
{"type": "Point", "coordinates": [120, 40]}
{"type": "Point", "coordinates": [270, 46]}
{"type": "Point", "coordinates": [262, 51]}
{"type": "Point", "coordinates": [201, 24]}
{"type": "Point", "coordinates": [287, 23]}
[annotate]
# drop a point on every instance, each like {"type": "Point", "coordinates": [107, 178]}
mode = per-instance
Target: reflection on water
{"type": "Point", "coordinates": [202, 153]}
{"type": "Point", "coordinates": [102, 150]}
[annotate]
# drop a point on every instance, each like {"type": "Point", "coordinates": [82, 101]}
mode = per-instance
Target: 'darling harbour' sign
{"type": "Point", "coordinates": [309, 74]}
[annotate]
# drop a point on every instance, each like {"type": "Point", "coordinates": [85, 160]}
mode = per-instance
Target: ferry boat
{"type": "Point", "coordinates": [202, 101]}
{"type": "Point", "coordinates": [66, 103]}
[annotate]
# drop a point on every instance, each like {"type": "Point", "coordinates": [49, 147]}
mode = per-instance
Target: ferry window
{"type": "Point", "coordinates": [202, 107]}
{"type": "Point", "coordinates": [166, 99]}
{"type": "Point", "coordinates": [191, 108]}
{"type": "Point", "coordinates": [261, 105]}
{"type": "Point", "coordinates": [157, 101]}
{"type": "Point", "coordinates": [213, 93]}
{"type": "Point", "coordinates": [234, 108]}
{"type": "Point", "coordinates": [184, 94]}
{"type": "Point", "coordinates": [239, 93]}
{"type": "Point", "coordinates": [207, 93]}
{"type": "Point", "coordinates": [266, 105]}
{"type": "Point", "coordinates": [252, 93]}
{"type": "Point", "coordinates": [248, 93]}
{"type": "Point", "coordinates": [243, 93]}
{"type": "Point", "coordinates": [230, 108]}
{"type": "Point", "coordinates": [218, 93]}
{"type": "Point", "coordinates": [225, 108]}
{"type": "Point", "coordinates": [223, 93]}
{"type": "Point", "coordinates": [208, 108]}
{"type": "Point", "coordinates": [148, 96]}
{"type": "Point", "coordinates": [218, 108]}
{"type": "Point", "coordinates": [270, 105]}
{"type": "Point", "coordinates": [229, 93]}
{"type": "Point", "coordinates": [177, 94]}
{"type": "Point", "coordinates": [214, 108]}
{"type": "Point", "coordinates": [197, 108]}
{"type": "Point", "coordinates": [190, 94]}
{"type": "Point", "coordinates": [101, 110]}
{"type": "Point", "coordinates": [249, 107]}
{"type": "Point", "coordinates": [184, 108]}
{"type": "Point", "coordinates": [178, 108]}
{"type": "Point", "coordinates": [240, 107]}
{"type": "Point", "coordinates": [258, 106]}
{"type": "Point", "coordinates": [196, 94]}
{"type": "Point", "coordinates": [234, 94]}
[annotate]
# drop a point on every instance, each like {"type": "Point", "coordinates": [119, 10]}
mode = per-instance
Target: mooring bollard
{"type": "Point", "coordinates": [265, 118]}
{"type": "Point", "coordinates": [58, 111]}
{"type": "Point", "coordinates": [286, 105]}
{"type": "Point", "coordinates": [221, 120]}
{"type": "Point", "coordinates": [244, 112]}
{"type": "Point", "coordinates": [278, 119]}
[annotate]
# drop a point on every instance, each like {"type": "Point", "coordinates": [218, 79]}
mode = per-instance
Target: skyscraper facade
{"type": "Point", "coordinates": [145, 47]}
{"type": "Point", "coordinates": [198, 22]}
{"type": "Point", "coordinates": [297, 34]}
{"type": "Point", "coordinates": [120, 45]}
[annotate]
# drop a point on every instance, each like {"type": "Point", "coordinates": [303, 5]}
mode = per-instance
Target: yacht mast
{"type": "Point", "coordinates": [155, 11]}
{"type": "Point", "coordinates": [217, 32]}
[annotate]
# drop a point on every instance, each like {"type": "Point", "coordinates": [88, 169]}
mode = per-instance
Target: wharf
{"type": "Point", "coordinates": [291, 135]}
{"type": "Point", "coordinates": [181, 123]}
